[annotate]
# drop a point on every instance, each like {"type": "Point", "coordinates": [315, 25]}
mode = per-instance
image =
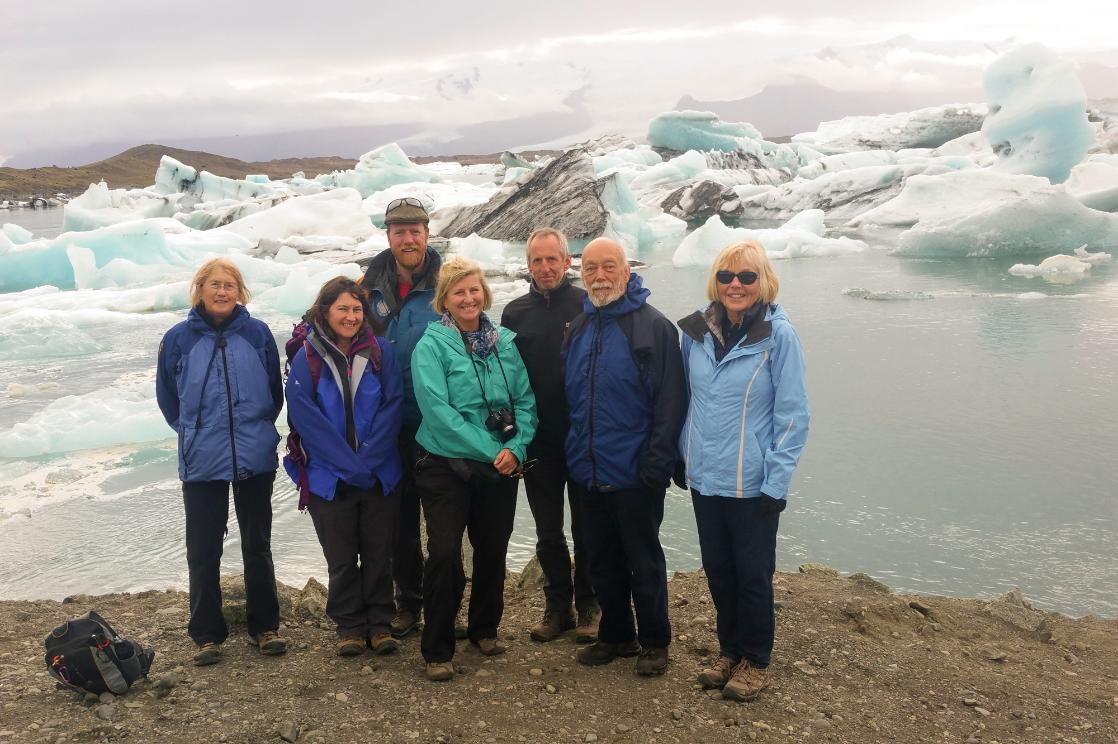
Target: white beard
{"type": "Point", "coordinates": [617, 291]}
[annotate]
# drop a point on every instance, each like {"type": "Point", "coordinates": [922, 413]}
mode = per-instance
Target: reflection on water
{"type": "Point", "coordinates": [960, 445]}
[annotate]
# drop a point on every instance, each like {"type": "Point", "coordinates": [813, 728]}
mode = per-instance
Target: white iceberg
{"type": "Point", "coordinates": [1095, 182]}
{"type": "Point", "coordinates": [926, 127]}
{"type": "Point", "coordinates": [101, 206]}
{"type": "Point", "coordinates": [378, 169]}
{"type": "Point", "coordinates": [1038, 121]}
{"type": "Point", "coordinates": [434, 196]}
{"type": "Point", "coordinates": [174, 177]}
{"type": "Point", "coordinates": [336, 212]}
{"type": "Point", "coordinates": [15, 234]}
{"type": "Point", "coordinates": [1060, 269]}
{"type": "Point", "coordinates": [988, 213]}
{"type": "Point", "coordinates": [800, 237]}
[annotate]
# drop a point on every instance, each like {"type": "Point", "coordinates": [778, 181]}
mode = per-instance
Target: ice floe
{"type": "Point", "coordinates": [800, 237]}
{"type": "Point", "coordinates": [926, 127]}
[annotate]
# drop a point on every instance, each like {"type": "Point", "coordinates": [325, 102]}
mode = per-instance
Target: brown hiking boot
{"type": "Point", "coordinates": [440, 671]}
{"type": "Point", "coordinates": [586, 631]}
{"type": "Point", "coordinates": [599, 653]}
{"type": "Point", "coordinates": [489, 647]}
{"type": "Point", "coordinates": [353, 645]}
{"type": "Point", "coordinates": [208, 653]}
{"type": "Point", "coordinates": [717, 675]}
{"type": "Point", "coordinates": [383, 643]}
{"type": "Point", "coordinates": [555, 622]}
{"type": "Point", "coordinates": [404, 623]}
{"type": "Point", "coordinates": [270, 643]}
{"type": "Point", "coordinates": [746, 682]}
{"type": "Point", "coordinates": [652, 662]}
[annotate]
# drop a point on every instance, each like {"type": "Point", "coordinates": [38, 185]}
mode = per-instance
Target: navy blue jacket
{"type": "Point", "coordinates": [627, 395]}
{"type": "Point", "coordinates": [320, 417]}
{"type": "Point", "coordinates": [221, 390]}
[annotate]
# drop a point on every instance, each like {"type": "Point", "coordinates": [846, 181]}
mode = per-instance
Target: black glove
{"type": "Point", "coordinates": [680, 475]}
{"type": "Point", "coordinates": [769, 505]}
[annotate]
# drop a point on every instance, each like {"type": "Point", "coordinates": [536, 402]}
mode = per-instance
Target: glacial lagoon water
{"type": "Point", "coordinates": [961, 444]}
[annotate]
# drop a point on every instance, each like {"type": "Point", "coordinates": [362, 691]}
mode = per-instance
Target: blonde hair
{"type": "Point", "coordinates": [208, 268]}
{"type": "Point", "coordinates": [548, 232]}
{"type": "Point", "coordinates": [748, 252]}
{"type": "Point", "coordinates": [453, 271]}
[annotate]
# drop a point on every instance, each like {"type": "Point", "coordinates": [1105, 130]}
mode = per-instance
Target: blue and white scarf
{"type": "Point", "coordinates": [482, 341]}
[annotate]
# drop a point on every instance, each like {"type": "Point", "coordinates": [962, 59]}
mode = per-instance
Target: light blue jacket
{"type": "Point", "coordinates": [747, 421]}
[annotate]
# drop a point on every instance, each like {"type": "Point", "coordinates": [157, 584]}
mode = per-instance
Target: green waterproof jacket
{"type": "Point", "coordinates": [450, 399]}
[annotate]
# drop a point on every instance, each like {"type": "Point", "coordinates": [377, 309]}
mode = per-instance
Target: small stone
{"type": "Point", "coordinates": [623, 727]}
{"type": "Point", "coordinates": [981, 711]}
{"type": "Point", "coordinates": [591, 737]}
{"type": "Point", "coordinates": [535, 672]}
{"type": "Point", "coordinates": [551, 689]}
{"type": "Point", "coordinates": [91, 698]}
{"type": "Point", "coordinates": [366, 670]}
{"type": "Point", "coordinates": [133, 704]}
{"type": "Point", "coordinates": [970, 702]}
{"type": "Point", "coordinates": [105, 712]}
{"type": "Point", "coordinates": [107, 698]}
{"type": "Point", "coordinates": [341, 697]}
{"type": "Point", "coordinates": [677, 715]}
{"type": "Point", "coordinates": [1071, 658]}
{"type": "Point", "coordinates": [761, 725]}
{"type": "Point", "coordinates": [484, 673]}
{"type": "Point", "coordinates": [168, 681]}
{"type": "Point", "coordinates": [289, 732]}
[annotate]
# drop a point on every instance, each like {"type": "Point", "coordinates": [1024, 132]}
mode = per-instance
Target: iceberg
{"type": "Point", "coordinates": [697, 130]}
{"type": "Point", "coordinates": [492, 255]}
{"type": "Point", "coordinates": [1059, 269]}
{"type": "Point", "coordinates": [299, 287]}
{"type": "Point", "coordinates": [103, 418]}
{"type": "Point", "coordinates": [989, 213]}
{"type": "Point", "coordinates": [101, 206]}
{"type": "Point", "coordinates": [800, 237]}
{"type": "Point", "coordinates": [174, 177]}
{"type": "Point", "coordinates": [926, 127]}
{"type": "Point", "coordinates": [1038, 121]}
{"type": "Point", "coordinates": [336, 212]}
{"type": "Point", "coordinates": [842, 194]}
{"type": "Point", "coordinates": [163, 242]}
{"type": "Point", "coordinates": [846, 161]}
{"type": "Point", "coordinates": [378, 169]}
{"type": "Point", "coordinates": [1094, 182]}
{"type": "Point", "coordinates": [435, 196]}
{"type": "Point", "coordinates": [15, 234]}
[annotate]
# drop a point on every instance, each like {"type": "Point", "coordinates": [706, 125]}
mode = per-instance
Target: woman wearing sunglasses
{"type": "Point", "coordinates": [746, 426]}
{"type": "Point", "coordinates": [478, 417]}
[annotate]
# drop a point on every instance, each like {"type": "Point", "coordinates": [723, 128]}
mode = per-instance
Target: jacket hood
{"type": "Point", "coordinates": [635, 296]}
{"type": "Point", "coordinates": [199, 322]}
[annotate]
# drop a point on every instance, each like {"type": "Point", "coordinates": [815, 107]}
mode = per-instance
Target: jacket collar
{"type": "Point", "coordinates": [564, 287]}
{"type": "Point", "coordinates": [634, 298]}
{"type": "Point", "coordinates": [709, 320]}
{"type": "Point", "coordinates": [201, 322]}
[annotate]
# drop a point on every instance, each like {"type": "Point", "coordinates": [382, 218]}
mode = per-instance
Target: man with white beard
{"type": "Point", "coordinates": [625, 389]}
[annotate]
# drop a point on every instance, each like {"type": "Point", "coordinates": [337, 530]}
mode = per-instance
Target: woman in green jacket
{"type": "Point", "coordinates": [478, 417]}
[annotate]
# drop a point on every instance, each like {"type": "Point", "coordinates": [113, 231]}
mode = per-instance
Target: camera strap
{"type": "Point", "coordinates": [480, 386]}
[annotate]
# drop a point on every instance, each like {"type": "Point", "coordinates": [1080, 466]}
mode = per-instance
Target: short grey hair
{"type": "Point", "coordinates": [548, 232]}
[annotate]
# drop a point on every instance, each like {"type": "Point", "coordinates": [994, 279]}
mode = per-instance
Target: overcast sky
{"type": "Point", "coordinates": [78, 72]}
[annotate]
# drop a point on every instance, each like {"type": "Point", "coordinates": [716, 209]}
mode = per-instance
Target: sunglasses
{"type": "Point", "coordinates": [411, 201]}
{"type": "Point", "coordinates": [745, 277]}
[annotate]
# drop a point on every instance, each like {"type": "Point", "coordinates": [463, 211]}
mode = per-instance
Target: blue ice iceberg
{"type": "Point", "coordinates": [1037, 123]}
{"type": "Point", "coordinates": [698, 130]}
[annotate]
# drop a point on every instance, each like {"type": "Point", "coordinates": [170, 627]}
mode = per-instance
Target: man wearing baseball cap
{"type": "Point", "coordinates": [401, 285]}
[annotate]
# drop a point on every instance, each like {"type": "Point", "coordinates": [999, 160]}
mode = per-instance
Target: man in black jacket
{"type": "Point", "coordinates": [540, 318]}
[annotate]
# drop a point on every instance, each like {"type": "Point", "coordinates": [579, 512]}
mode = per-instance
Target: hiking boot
{"type": "Point", "coordinates": [586, 631]}
{"type": "Point", "coordinates": [440, 671]}
{"type": "Point", "coordinates": [489, 647]}
{"type": "Point", "coordinates": [603, 653]}
{"type": "Point", "coordinates": [555, 622]}
{"type": "Point", "coordinates": [746, 682]}
{"type": "Point", "coordinates": [208, 653]}
{"type": "Point", "coordinates": [652, 662]}
{"type": "Point", "coordinates": [717, 675]}
{"type": "Point", "coordinates": [404, 623]}
{"type": "Point", "coordinates": [351, 645]}
{"type": "Point", "coordinates": [270, 643]}
{"type": "Point", "coordinates": [383, 643]}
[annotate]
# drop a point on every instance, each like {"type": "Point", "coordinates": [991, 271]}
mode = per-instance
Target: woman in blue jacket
{"type": "Point", "coordinates": [345, 398]}
{"type": "Point", "coordinates": [218, 385]}
{"type": "Point", "coordinates": [746, 426]}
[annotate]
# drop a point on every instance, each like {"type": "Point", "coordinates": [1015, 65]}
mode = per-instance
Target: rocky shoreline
{"type": "Point", "coordinates": [854, 662]}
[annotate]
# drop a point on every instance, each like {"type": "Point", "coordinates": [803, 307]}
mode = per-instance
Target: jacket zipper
{"type": "Point", "coordinates": [595, 352]}
{"type": "Point", "coordinates": [229, 404]}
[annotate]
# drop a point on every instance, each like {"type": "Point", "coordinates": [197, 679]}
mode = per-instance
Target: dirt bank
{"type": "Point", "coordinates": [853, 663]}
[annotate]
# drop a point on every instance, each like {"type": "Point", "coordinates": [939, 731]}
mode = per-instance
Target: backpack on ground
{"type": "Point", "coordinates": [86, 655]}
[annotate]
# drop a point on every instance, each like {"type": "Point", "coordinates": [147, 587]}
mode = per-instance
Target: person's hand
{"type": "Point", "coordinates": [506, 462]}
{"type": "Point", "coordinates": [769, 505]}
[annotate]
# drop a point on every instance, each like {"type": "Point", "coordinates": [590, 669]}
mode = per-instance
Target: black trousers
{"type": "Point", "coordinates": [207, 517]}
{"type": "Point", "coordinates": [357, 533]}
{"type": "Point", "coordinates": [544, 484]}
{"type": "Point", "coordinates": [407, 558]}
{"type": "Point", "coordinates": [627, 564]}
{"type": "Point", "coordinates": [737, 540]}
{"type": "Point", "coordinates": [485, 512]}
